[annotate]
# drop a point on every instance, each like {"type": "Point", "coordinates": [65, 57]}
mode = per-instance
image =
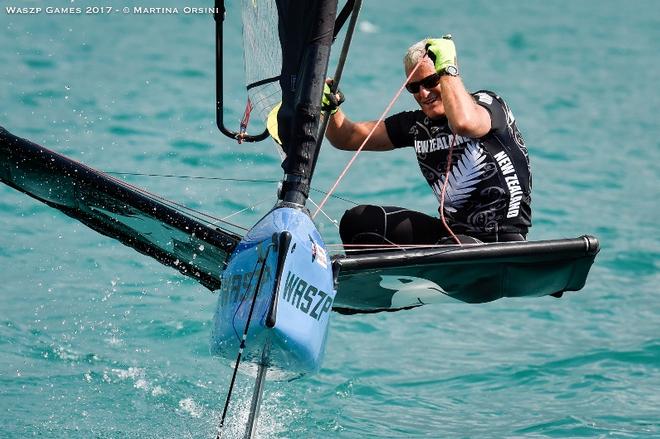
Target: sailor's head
{"type": "Point", "coordinates": [424, 85]}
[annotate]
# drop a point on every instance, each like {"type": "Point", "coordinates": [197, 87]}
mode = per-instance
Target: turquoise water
{"type": "Point", "coordinates": [98, 341]}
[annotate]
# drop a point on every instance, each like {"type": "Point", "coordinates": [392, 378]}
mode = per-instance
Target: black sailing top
{"type": "Point", "coordinates": [490, 180]}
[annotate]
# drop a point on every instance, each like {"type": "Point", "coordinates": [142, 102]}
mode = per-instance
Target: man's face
{"type": "Point", "coordinates": [429, 99]}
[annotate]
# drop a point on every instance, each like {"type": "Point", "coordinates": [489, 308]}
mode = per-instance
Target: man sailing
{"type": "Point", "coordinates": [486, 196]}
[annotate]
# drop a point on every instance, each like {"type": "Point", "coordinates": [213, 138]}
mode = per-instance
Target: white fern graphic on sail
{"type": "Point", "coordinates": [463, 178]}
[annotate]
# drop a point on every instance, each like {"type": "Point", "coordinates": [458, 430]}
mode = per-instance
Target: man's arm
{"type": "Point", "coordinates": [348, 135]}
{"type": "Point", "coordinates": [465, 116]}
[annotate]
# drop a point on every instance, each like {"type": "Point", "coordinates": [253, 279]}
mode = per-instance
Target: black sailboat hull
{"type": "Point", "coordinates": [402, 279]}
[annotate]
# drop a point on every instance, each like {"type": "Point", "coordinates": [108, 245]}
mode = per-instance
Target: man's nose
{"type": "Point", "coordinates": [423, 92]}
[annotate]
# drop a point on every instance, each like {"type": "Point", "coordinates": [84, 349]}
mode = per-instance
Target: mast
{"type": "Point", "coordinates": [306, 30]}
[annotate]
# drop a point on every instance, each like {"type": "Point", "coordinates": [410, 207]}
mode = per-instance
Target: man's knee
{"type": "Point", "coordinates": [360, 220]}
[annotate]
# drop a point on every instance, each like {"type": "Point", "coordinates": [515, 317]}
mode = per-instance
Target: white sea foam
{"type": "Point", "coordinates": [188, 405]}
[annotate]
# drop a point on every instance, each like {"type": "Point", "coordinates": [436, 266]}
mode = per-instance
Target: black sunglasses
{"type": "Point", "coordinates": [428, 83]}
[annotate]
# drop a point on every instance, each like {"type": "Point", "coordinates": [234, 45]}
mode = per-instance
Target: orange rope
{"type": "Point", "coordinates": [242, 133]}
{"type": "Point", "coordinates": [444, 190]}
{"type": "Point", "coordinates": [385, 246]}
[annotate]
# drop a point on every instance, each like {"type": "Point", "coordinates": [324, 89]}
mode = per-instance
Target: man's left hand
{"type": "Point", "coordinates": [330, 102]}
{"type": "Point", "coordinates": [442, 52]}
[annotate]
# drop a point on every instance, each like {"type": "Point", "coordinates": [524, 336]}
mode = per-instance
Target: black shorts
{"type": "Point", "coordinates": [367, 224]}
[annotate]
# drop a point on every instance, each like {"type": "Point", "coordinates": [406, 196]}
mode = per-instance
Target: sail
{"type": "Point", "coordinates": [403, 279]}
{"type": "Point", "coordinates": [149, 224]}
{"type": "Point", "coordinates": [287, 47]}
{"type": "Point", "coordinates": [262, 54]}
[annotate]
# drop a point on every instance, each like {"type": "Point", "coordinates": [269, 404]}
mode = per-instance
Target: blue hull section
{"type": "Point", "coordinates": [282, 258]}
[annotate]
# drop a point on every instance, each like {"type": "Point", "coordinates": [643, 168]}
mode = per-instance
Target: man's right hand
{"type": "Point", "coordinates": [442, 52]}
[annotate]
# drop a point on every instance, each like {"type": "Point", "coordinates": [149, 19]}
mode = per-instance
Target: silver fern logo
{"type": "Point", "coordinates": [463, 178]}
